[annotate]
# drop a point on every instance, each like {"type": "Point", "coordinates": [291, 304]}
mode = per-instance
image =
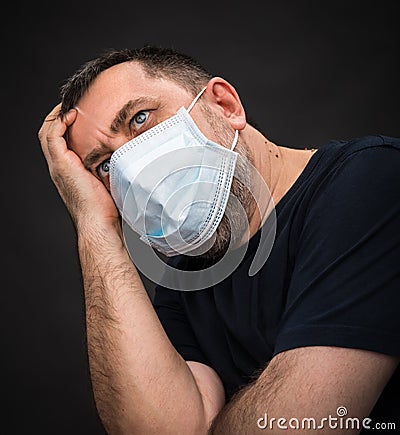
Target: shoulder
{"type": "Point", "coordinates": [363, 151]}
{"type": "Point", "coordinates": [358, 194]}
{"type": "Point", "coordinates": [363, 167]}
{"type": "Point", "coordinates": [346, 168]}
{"type": "Point", "coordinates": [368, 146]}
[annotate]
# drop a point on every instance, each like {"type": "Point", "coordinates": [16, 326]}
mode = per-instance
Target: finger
{"type": "Point", "coordinates": [43, 131]}
{"type": "Point", "coordinates": [69, 117]}
{"type": "Point", "coordinates": [55, 141]}
{"type": "Point", "coordinates": [57, 145]}
{"type": "Point", "coordinates": [55, 112]}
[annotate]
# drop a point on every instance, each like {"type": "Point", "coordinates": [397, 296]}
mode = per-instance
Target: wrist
{"type": "Point", "coordinates": [101, 233]}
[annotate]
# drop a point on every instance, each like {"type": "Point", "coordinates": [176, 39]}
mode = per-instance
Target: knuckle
{"type": "Point", "coordinates": [50, 137]}
{"type": "Point", "coordinates": [40, 134]}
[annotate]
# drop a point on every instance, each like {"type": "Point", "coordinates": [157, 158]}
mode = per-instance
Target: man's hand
{"type": "Point", "coordinates": [85, 197]}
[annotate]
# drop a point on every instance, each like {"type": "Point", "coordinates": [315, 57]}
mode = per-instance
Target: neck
{"type": "Point", "coordinates": [278, 166]}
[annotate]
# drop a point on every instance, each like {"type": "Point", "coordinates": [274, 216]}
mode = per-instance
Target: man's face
{"type": "Point", "coordinates": [124, 102]}
{"type": "Point", "coordinates": [120, 104]}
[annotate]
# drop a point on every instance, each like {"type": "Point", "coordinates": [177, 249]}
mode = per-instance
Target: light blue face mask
{"type": "Point", "coordinates": [171, 184]}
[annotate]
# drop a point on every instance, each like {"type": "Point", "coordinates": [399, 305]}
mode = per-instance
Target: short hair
{"type": "Point", "coordinates": [157, 62]}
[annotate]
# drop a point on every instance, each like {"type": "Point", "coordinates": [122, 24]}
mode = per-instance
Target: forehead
{"type": "Point", "coordinates": [108, 93]}
{"type": "Point", "coordinates": [122, 82]}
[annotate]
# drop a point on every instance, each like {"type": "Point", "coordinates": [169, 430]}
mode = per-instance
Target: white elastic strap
{"type": "Point", "coordinates": [195, 100]}
{"type": "Point", "coordinates": [236, 137]}
{"type": "Point", "coordinates": [235, 140]}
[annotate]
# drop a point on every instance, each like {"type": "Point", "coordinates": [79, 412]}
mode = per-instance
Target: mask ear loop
{"type": "Point", "coordinates": [196, 99]}
{"type": "Point", "coordinates": [236, 137]}
{"type": "Point", "coordinates": [235, 140]}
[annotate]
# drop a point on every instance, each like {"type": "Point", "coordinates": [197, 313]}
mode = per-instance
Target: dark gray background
{"type": "Point", "coordinates": [306, 71]}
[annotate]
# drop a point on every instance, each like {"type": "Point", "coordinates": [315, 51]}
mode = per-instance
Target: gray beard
{"type": "Point", "coordinates": [231, 229]}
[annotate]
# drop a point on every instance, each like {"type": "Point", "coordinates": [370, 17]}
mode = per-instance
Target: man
{"type": "Point", "coordinates": [314, 334]}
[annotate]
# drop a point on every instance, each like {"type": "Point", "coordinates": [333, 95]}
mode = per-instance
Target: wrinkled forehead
{"type": "Point", "coordinates": [109, 93]}
{"type": "Point", "coordinates": [115, 86]}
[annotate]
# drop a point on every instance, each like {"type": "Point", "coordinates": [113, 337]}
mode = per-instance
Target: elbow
{"type": "Point", "coordinates": [160, 423]}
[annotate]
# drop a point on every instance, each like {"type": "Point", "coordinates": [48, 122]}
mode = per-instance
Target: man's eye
{"type": "Point", "coordinates": [139, 119]}
{"type": "Point", "coordinates": [104, 168]}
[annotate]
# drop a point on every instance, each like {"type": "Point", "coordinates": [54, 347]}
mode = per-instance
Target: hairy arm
{"type": "Point", "coordinates": [308, 383]}
{"type": "Point", "coordinates": [141, 384]}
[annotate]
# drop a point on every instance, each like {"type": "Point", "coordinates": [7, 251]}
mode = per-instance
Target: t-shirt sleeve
{"type": "Point", "coordinates": [345, 286]}
{"type": "Point", "coordinates": [173, 318]}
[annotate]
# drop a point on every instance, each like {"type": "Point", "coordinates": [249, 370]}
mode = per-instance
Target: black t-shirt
{"type": "Point", "coordinates": [332, 277]}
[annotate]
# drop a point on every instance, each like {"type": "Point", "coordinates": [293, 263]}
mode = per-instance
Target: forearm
{"type": "Point", "coordinates": [305, 386]}
{"type": "Point", "coordinates": [141, 384]}
{"type": "Point", "coordinates": [239, 415]}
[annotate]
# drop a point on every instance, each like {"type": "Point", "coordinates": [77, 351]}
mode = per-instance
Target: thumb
{"type": "Point", "coordinates": [70, 117]}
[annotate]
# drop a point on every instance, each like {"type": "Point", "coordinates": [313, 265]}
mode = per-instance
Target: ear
{"type": "Point", "coordinates": [224, 97]}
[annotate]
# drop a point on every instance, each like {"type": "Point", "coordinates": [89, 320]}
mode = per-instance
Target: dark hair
{"type": "Point", "coordinates": [156, 62]}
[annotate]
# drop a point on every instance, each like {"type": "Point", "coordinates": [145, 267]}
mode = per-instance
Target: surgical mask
{"type": "Point", "coordinates": [171, 184]}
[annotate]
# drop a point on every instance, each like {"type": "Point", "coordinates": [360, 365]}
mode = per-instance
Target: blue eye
{"type": "Point", "coordinates": [140, 117]}
{"type": "Point", "coordinates": [104, 168]}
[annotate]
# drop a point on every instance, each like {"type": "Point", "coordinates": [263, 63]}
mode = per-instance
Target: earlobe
{"type": "Point", "coordinates": [224, 96]}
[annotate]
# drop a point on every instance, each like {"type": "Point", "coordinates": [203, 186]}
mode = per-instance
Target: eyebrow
{"type": "Point", "coordinates": [120, 118]}
{"type": "Point", "coordinates": [122, 115]}
{"type": "Point", "coordinates": [95, 155]}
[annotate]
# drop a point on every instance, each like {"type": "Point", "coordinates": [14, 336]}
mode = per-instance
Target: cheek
{"type": "Point", "coordinates": [106, 182]}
